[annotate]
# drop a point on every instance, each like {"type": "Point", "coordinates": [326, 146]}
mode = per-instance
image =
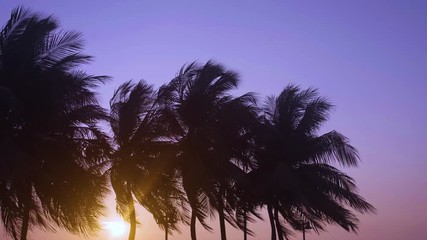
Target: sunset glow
{"type": "Point", "coordinates": [116, 228]}
{"type": "Point", "coordinates": [212, 120]}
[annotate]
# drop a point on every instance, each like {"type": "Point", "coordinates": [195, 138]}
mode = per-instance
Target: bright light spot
{"type": "Point", "coordinates": [117, 228]}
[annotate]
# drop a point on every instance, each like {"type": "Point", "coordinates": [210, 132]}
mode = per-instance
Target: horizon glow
{"type": "Point", "coordinates": [369, 58]}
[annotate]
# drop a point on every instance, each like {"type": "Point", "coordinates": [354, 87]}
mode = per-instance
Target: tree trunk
{"type": "Point", "coordinates": [132, 215]}
{"type": "Point", "coordinates": [221, 217]}
{"type": "Point", "coordinates": [26, 214]}
{"type": "Point", "coordinates": [245, 227]}
{"type": "Point", "coordinates": [272, 225]}
{"type": "Point", "coordinates": [303, 231]}
{"type": "Point", "coordinates": [193, 225]}
{"type": "Point", "coordinates": [222, 223]}
{"type": "Point", "coordinates": [166, 231]}
{"type": "Point", "coordinates": [278, 227]}
{"type": "Point", "coordinates": [25, 222]}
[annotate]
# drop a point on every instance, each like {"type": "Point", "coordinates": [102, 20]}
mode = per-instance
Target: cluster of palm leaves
{"type": "Point", "coordinates": [50, 145]}
{"type": "Point", "coordinates": [186, 152]}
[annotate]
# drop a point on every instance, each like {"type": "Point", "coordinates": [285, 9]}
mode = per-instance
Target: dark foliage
{"type": "Point", "coordinates": [50, 145]}
{"type": "Point", "coordinates": [186, 152]}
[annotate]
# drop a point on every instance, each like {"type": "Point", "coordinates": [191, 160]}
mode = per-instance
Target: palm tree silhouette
{"type": "Point", "coordinates": [191, 143]}
{"type": "Point", "coordinates": [140, 169]}
{"type": "Point", "coordinates": [196, 102]}
{"type": "Point", "coordinates": [246, 208]}
{"type": "Point", "coordinates": [50, 146]}
{"type": "Point", "coordinates": [232, 150]}
{"type": "Point", "coordinates": [168, 200]}
{"type": "Point", "coordinates": [294, 176]}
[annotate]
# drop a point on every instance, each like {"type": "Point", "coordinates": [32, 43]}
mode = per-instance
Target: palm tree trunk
{"type": "Point", "coordinates": [278, 227]}
{"type": "Point", "coordinates": [272, 225]}
{"type": "Point", "coordinates": [245, 227]}
{"type": "Point", "coordinates": [222, 223]}
{"type": "Point", "coordinates": [303, 231]}
{"type": "Point", "coordinates": [25, 222]}
{"type": "Point", "coordinates": [193, 225]}
{"type": "Point", "coordinates": [132, 215]}
{"type": "Point", "coordinates": [26, 214]}
{"type": "Point", "coordinates": [220, 198]}
{"type": "Point", "coordinates": [166, 231]}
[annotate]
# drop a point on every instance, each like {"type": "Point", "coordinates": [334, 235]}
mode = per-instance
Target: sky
{"type": "Point", "coordinates": [369, 58]}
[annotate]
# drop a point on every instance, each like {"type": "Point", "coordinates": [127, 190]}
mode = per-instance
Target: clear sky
{"type": "Point", "coordinates": [368, 57]}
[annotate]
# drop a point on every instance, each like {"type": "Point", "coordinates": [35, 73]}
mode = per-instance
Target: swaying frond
{"type": "Point", "coordinates": [16, 24]}
{"type": "Point", "coordinates": [61, 44]}
{"type": "Point", "coordinates": [294, 163]}
{"type": "Point", "coordinates": [127, 106]}
{"type": "Point", "coordinates": [316, 113]}
{"type": "Point", "coordinates": [335, 184]}
{"type": "Point", "coordinates": [332, 147]}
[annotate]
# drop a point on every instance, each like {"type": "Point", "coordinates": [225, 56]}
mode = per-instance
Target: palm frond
{"type": "Point", "coordinates": [316, 113]}
{"type": "Point", "coordinates": [333, 147]}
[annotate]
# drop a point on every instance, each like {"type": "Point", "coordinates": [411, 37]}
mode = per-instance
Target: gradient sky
{"type": "Point", "coordinates": [368, 57]}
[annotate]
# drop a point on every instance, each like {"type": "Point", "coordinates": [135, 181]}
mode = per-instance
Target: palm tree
{"type": "Point", "coordinates": [195, 104]}
{"type": "Point", "coordinates": [233, 146]}
{"type": "Point", "coordinates": [50, 146]}
{"type": "Point", "coordinates": [246, 208]}
{"type": "Point", "coordinates": [168, 204]}
{"type": "Point", "coordinates": [140, 168]}
{"type": "Point", "coordinates": [294, 176]}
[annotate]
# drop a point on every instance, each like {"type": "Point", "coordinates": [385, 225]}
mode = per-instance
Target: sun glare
{"type": "Point", "coordinates": [117, 228]}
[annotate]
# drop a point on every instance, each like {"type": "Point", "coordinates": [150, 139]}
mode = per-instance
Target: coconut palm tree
{"type": "Point", "coordinates": [196, 102]}
{"type": "Point", "coordinates": [294, 174]}
{"type": "Point", "coordinates": [247, 207]}
{"type": "Point", "coordinates": [168, 204]}
{"type": "Point", "coordinates": [50, 145]}
{"type": "Point", "coordinates": [140, 167]}
{"type": "Point", "coordinates": [233, 146]}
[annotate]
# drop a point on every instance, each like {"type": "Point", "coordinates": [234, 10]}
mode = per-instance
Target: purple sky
{"type": "Point", "coordinates": [368, 57]}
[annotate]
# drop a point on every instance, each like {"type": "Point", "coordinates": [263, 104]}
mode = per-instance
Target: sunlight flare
{"type": "Point", "coordinates": [117, 228]}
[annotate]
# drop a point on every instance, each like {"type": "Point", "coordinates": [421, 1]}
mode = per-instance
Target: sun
{"type": "Point", "coordinates": [117, 228]}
